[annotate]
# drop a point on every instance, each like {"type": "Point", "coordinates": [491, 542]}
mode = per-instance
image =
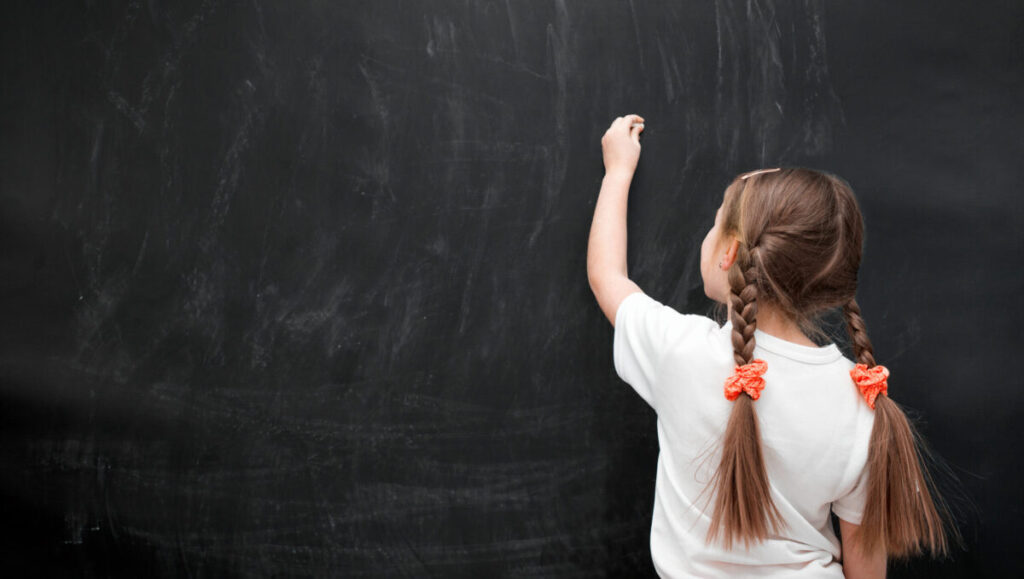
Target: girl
{"type": "Point", "coordinates": [745, 488]}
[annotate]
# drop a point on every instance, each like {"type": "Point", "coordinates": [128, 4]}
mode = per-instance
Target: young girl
{"type": "Point", "coordinates": [762, 432]}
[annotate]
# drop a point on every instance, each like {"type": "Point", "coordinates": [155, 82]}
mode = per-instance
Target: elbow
{"type": "Point", "coordinates": [597, 279]}
{"type": "Point", "coordinates": [595, 288]}
{"type": "Point", "coordinates": [592, 275]}
{"type": "Point", "coordinates": [601, 273]}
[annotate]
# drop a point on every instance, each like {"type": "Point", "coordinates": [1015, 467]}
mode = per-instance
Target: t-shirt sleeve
{"type": "Point", "coordinates": [850, 507]}
{"type": "Point", "coordinates": [644, 331]}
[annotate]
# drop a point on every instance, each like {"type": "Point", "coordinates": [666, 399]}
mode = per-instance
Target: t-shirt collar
{"type": "Point", "coordinates": [793, 351]}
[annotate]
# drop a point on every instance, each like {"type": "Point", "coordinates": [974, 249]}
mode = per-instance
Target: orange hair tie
{"type": "Point", "coordinates": [871, 381]}
{"type": "Point", "coordinates": [747, 378]}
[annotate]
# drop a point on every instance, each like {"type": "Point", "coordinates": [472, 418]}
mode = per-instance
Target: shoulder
{"type": "Point", "coordinates": [649, 333]}
{"type": "Point", "coordinates": [862, 416]}
{"type": "Point", "coordinates": [639, 312]}
{"type": "Point", "coordinates": [639, 303]}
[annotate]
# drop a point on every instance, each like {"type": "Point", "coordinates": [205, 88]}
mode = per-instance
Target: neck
{"type": "Point", "coordinates": [775, 323]}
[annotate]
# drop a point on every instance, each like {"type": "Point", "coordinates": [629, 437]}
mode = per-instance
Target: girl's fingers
{"type": "Point", "coordinates": [631, 125]}
{"type": "Point", "coordinates": [635, 130]}
{"type": "Point", "coordinates": [633, 121]}
{"type": "Point", "coordinates": [616, 125]}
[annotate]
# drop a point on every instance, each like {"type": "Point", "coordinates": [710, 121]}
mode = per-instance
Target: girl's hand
{"type": "Point", "coordinates": [621, 145]}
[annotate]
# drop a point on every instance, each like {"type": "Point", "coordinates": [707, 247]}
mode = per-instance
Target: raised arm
{"type": "Point", "coordinates": [606, 249]}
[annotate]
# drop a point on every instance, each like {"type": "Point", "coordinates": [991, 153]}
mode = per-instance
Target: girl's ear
{"type": "Point", "coordinates": [730, 252]}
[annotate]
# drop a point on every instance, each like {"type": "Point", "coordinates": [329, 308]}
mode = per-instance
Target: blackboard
{"type": "Point", "coordinates": [299, 288]}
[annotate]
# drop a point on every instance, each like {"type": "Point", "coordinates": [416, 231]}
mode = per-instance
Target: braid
{"type": "Point", "coordinates": [903, 513]}
{"type": "Point", "coordinates": [743, 299]}
{"type": "Point", "coordinates": [862, 349]}
{"type": "Point", "coordinates": [744, 509]}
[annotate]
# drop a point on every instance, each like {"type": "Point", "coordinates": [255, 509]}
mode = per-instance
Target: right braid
{"type": "Point", "coordinates": [901, 517]}
{"type": "Point", "coordinates": [743, 299]}
{"type": "Point", "coordinates": [744, 509]}
{"type": "Point", "coordinates": [862, 349]}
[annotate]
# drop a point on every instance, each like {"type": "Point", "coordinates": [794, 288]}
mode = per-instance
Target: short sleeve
{"type": "Point", "coordinates": [850, 507]}
{"type": "Point", "coordinates": [642, 332]}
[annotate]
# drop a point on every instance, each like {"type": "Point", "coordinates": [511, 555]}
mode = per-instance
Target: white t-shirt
{"type": "Point", "coordinates": [815, 430]}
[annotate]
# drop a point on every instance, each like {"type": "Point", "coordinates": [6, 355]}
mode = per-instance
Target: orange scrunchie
{"type": "Point", "coordinates": [871, 381]}
{"type": "Point", "coordinates": [747, 378]}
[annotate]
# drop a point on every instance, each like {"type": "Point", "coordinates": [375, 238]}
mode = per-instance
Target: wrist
{"type": "Point", "coordinates": [619, 175]}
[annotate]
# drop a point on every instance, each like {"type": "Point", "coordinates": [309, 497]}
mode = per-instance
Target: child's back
{"type": "Point", "coordinates": [815, 431]}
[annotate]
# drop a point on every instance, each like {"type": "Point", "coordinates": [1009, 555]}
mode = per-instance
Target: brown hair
{"type": "Point", "coordinates": [801, 236]}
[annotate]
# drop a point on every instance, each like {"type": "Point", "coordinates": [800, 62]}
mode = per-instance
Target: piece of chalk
{"type": "Point", "coordinates": [635, 125]}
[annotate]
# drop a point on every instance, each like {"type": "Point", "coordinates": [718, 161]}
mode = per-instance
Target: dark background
{"type": "Point", "coordinates": [299, 288]}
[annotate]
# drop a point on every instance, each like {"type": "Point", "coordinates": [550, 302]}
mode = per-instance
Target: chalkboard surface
{"type": "Point", "coordinates": [299, 288]}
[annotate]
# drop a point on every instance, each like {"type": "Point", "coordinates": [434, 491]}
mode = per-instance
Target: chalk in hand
{"type": "Point", "coordinates": [635, 125]}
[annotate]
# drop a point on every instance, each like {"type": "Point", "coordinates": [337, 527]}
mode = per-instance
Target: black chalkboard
{"type": "Point", "coordinates": [299, 288]}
